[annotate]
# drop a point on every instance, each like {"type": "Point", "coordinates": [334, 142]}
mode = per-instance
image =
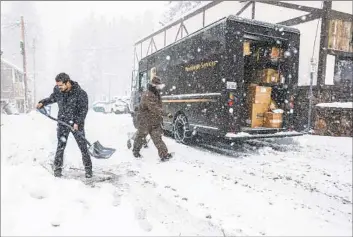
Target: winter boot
{"type": "Point", "coordinates": [128, 144]}
{"type": "Point", "coordinates": [57, 173]}
{"type": "Point", "coordinates": [136, 154]}
{"type": "Point", "coordinates": [88, 174]}
{"type": "Point", "coordinates": [166, 157]}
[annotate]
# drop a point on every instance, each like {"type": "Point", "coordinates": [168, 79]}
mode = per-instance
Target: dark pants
{"type": "Point", "coordinates": [144, 140]}
{"type": "Point", "coordinates": [156, 136]}
{"type": "Point", "coordinates": [62, 134]}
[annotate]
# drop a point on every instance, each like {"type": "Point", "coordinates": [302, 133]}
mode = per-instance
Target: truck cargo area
{"type": "Point", "coordinates": [267, 98]}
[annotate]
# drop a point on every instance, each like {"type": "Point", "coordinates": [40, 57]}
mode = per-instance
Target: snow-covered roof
{"type": "Point", "coordinates": [346, 105]}
{"type": "Point", "coordinates": [263, 23]}
{"type": "Point", "coordinates": [11, 65]}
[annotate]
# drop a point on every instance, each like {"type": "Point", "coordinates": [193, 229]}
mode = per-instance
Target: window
{"type": "Point", "coordinates": [6, 79]}
{"type": "Point", "coordinates": [143, 81]}
{"type": "Point", "coordinates": [18, 76]}
{"type": "Point", "coordinates": [341, 35]}
{"type": "Point", "coordinates": [134, 83]}
{"type": "Point", "coordinates": [343, 71]}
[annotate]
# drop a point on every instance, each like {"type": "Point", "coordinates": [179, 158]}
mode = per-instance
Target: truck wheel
{"type": "Point", "coordinates": [181, 130]}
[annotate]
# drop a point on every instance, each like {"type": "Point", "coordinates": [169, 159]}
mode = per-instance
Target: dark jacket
{"type": "Point", "coordinates": [150, 112]}
{"type": "Point", "coordinates": [73, 105]}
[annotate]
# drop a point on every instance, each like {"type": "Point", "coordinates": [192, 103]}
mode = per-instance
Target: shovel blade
{"type": "Point", "coordinates": [98, 145]}
{"type": "Point", "coordinates": [100, 152]}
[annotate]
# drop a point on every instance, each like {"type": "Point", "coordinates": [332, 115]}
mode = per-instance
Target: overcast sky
{"type": "Point", "coordinates": [58, 17]}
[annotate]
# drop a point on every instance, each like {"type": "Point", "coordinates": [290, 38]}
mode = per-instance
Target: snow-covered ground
{"type": "Point", "coordinates": [304, 190]}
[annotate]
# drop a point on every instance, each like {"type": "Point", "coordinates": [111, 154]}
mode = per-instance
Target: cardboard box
{"type": "Point", "coordinates": [257, 114]}
{"type": "Point", "coordinates": [273, 120]}
{"type": "Point", "coordinates": [269, 75]}
{"type": "Point", "coordinates": [259, 94]}
{"type": "Point", "coordinates": [273, 105]}
{"type": "Point", "coordinates": [275, 53]}
{"type": "Point", "coordinates": [247, 50]}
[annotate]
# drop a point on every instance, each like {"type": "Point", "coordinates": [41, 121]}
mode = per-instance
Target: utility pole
{"type": "Point", "coordinates": [23, 51]}
{"type": "Point", "coordinates": [34, 72]}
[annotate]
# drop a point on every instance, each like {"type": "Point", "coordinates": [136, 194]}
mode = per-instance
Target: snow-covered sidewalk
{"type": "Point", "coordinates": [306, 190]}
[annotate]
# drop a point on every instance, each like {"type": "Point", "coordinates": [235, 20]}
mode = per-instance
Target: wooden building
{"type": "Point", "coordinates": [12, 85]}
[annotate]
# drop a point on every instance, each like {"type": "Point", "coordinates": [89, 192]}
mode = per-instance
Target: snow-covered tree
{"type": "Point", "coordinates": [176, 9]}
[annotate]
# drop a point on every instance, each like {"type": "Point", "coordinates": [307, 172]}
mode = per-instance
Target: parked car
{"type": "Point", "coordinates": [102, 106]}
{"type": "Point", "coordinates": [114, 106]}
{"type": "Point", "coordinates": [121, 107]}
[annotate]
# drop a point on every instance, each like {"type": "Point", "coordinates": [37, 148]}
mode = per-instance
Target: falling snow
{"type": "Point", "coordinates": [63, 139]}
{"type": "Point", "coordinates": [288, 186]}
{"type": "Point", "coordinates": [287, 54]}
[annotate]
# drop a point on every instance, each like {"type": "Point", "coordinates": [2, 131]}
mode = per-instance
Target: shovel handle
{"type": "Point", "coordinates": [45, 112]}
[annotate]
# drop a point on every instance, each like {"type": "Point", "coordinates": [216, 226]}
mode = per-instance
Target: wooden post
{"type": "Point", "coordinates": [325, 24]}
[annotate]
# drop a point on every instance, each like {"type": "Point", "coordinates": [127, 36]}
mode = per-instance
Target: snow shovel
{"type": "Point", "coordinates": [96, 149]}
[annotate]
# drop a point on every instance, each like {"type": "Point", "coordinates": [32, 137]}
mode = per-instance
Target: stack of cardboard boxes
{"type": "Point", "coordinates": [260, 104]}
{"type": "Point", "coordinates": [269, 75]}
{"type": "Point", "coordinates": [263, 110]}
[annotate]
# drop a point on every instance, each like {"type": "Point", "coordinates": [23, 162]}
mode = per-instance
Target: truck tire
{"type": "Point", "coordinates": [181, 129]}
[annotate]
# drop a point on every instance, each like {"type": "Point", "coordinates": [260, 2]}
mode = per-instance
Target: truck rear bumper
{"type": "Point", "coordinates": [247, 136]}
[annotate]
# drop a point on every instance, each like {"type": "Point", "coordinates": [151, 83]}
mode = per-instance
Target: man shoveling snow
{"type": "Point", "coordinates": [73, 107]}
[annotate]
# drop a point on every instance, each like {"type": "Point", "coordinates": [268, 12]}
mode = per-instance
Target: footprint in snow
{"type": "Point", "coordinates": [141, 216]}
{"type": "Point", "coordinates": [117, 199]}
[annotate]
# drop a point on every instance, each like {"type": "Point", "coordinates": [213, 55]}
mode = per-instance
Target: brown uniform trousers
{"type": "Point", "coordinates": [149, 121]}
{"type": "Point", "coordinates": [156, 136]}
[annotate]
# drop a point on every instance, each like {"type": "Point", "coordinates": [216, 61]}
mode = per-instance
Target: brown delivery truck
{"type": "Point", "coordinates": [234, 79]}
